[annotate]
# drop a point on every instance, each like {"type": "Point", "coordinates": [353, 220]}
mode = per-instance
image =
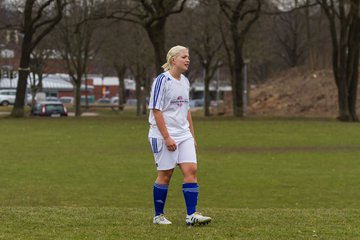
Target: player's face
{"type": "Point", "coordinates": [182, 61]}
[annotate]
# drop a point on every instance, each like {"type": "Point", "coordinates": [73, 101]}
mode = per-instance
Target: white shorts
{"type": "Point", "coordinates": [165, 159]}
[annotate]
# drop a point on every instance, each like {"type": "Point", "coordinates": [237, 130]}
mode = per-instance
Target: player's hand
{"type": "Point", "coordinates": [170, 144]}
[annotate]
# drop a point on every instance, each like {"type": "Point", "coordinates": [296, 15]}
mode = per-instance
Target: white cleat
{"type": "Point", "coordinates": [197, 219]}
{"type": "Point", "coordinates": [161, 220]}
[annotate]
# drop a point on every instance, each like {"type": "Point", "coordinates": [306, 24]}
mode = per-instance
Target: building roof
{"type": "Point", "coordinates": [62, 82]}
{"type": "Point", "coordinates": [57, 81]}
{"type": "Point", "coordinates": [113, 81]}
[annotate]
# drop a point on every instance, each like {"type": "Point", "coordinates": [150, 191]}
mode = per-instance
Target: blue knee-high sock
{"type": "Point", "coordinates": [191, 192]}
{"type": "Point", "coordinates": [159, 194]}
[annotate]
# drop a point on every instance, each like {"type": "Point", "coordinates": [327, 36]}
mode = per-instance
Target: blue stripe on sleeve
{"type": "Point", "coordinates": [157, 87]}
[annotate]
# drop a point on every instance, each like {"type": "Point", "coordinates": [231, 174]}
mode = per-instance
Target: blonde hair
{"type": "Point", "coordinates": [173, 52]}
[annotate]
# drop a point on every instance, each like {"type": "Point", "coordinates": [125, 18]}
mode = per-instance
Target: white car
{"type": "Point", "coordinates": [114, 100]}
{"type": "Point", "coordinates": [7, 97]}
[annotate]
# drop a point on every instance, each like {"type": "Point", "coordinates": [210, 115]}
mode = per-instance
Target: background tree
{"type": "Point", "coordinates": [115, 52]}
{"type": "Point", "coordinates": [206, 43]}
{"type": "Point", "coordinates": [141, 68]}
{"type": "Point", "coordinates": [344, 24]}
{"type": "Point", "coordinates": [38, 61]}
{"type": "Point", "coordinates": [76, 45]}
{"type": "Point", "coordinates": [291, 36]}
{"type": "Point", "coordinates": [121, 68]}
{"type": "Point", "coordinates": [240, 16]}
{"type": "Point", "coordinates": [301, 36]}
{"type": "Point", "coordinates": [39, 19]}
{"type": "Point", "coordinates": [152, 16]}
{"type": "Point", "coordinates": [128, 51]}
{"type": "Point", "coordinates": [111, 59]}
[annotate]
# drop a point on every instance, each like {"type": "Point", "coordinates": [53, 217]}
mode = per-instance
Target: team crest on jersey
{"type": "Point", "coordinates": [179, 101]}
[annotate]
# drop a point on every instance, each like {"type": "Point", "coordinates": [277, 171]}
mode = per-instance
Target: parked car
{"type": "Point", "coordinates": [196, 103]}
{"type": "Point", "coordinates": [131, 102]}
{"type": "Point", "coordinates": [28, 99]}
{"type": "Point", "coordinates": [52, 99]}
{"type": "Point", "coordinates": [114, 100]}
{"type": "Point", "coordinates": [50, 109]}
{"type": "Point", "coordinates": [67, 100]}
{"type": "Point", "coordinates": [7, 97]}
{"type": "Point", "coordinates": [103, 101]}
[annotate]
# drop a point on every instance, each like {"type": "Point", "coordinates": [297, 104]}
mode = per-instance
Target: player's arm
{"type": "Point", "coordinates": [191, 126]}
{"type": "Point", "coordinates": [160, 122]}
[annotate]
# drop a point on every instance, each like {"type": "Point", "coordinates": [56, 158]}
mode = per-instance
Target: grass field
{"type": "Point", "coordinates": [92, 178]}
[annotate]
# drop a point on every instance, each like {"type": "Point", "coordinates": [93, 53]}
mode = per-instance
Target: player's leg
{"type": "Point", "coordinates": [190, 186]}
{"type": "Point", "coordinates": [188, 166]}
{"type": "Point", "coordinates": [165, 164]}
{"type": "Point", "coordinates": [160, 191]}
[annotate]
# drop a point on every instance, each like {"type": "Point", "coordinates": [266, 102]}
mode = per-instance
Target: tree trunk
{"type": "Point", "coordinates": [345, 57]}
{"type": "Point", "coordinates": [343, 101]}
{"type": "Point", "coordinates": [138, 97]}
{"type": "Point", "coordinates": [353, 95]}
{"type": "Point", "coordinates": [122, 91]}
{"type": "Point", "coordinates": [237, 80]}
{"type": "Point", "coordinates": [348, 77]}
{"type": "Point", "coordinates": [120, 71]}
{"type": "Point", "coordinates": [24, 70]}
{"type": "Point", "coordinates": [207, 96]}
{"type": "Point", "coordinates": [78, 98]}
{"type": "Point", "coordinates": [156, 33]}
{"type": "Point", "coordinates": [353, 59]}
{"type": "Point", "coordinates": [241, 19]}
{"type": "Point", "coordinates": [143, 102]}
{"type": "Point", "coordinates": [143, 92]}
{"type": "Point", "coordinates": [238, 107]}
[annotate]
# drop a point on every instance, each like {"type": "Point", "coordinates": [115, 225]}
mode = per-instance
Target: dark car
{"type": "Point", "coordinates": [50, 109]}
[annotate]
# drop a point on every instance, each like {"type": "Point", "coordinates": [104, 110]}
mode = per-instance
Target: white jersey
{"type": "Point", "coordinates": [171, 97]}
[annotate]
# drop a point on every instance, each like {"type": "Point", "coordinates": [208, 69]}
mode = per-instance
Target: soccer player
{"type": "Point", "coordinates": [171, 136]}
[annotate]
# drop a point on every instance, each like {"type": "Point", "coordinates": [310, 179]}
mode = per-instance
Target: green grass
{"type": "Point", "coordinates": [91, 178]}
{"type": "Point", "coordinates": [133, 223]}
